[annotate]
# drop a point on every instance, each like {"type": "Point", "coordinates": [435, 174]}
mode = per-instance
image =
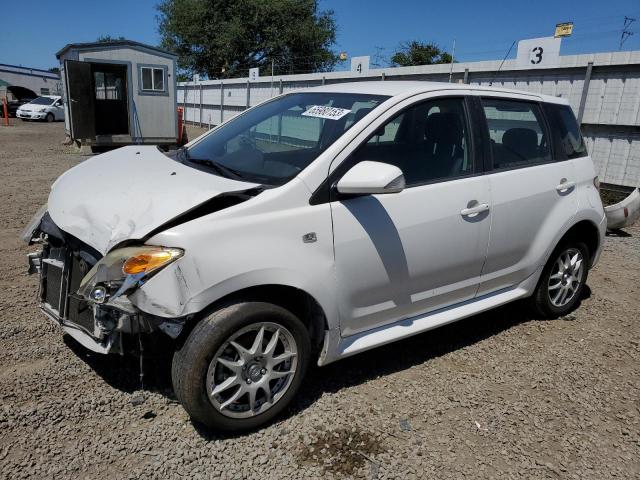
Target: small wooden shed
{"type": "Point", "coordinates": [119, 92]}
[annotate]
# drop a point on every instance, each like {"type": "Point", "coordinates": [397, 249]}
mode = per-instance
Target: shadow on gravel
{"type": "Point", "coordinates": [618, 233]}
{"type": "Point", "coordinates": [123, 372]}
{"type": "Point", "coordinates": [412, 351]}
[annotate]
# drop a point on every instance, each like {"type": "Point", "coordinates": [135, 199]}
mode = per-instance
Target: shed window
{"type": "Point", "coordinates": [44, 91]}
{"type": "Point", "coordinates": [153, 79]}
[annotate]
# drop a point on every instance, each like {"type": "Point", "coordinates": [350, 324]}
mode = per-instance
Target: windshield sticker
{"type": "Point", "coordinates": [330, 113]}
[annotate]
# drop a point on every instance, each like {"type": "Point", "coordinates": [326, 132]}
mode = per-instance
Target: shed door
{"type": "Point", "coordinates": [80, 97]}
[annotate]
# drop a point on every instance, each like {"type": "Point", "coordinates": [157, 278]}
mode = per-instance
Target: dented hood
{"type": "Point", "coordinates": [129, 192]}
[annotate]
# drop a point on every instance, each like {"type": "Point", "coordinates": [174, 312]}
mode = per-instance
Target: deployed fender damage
{"type": "Point", "coordinates": [82, 283]}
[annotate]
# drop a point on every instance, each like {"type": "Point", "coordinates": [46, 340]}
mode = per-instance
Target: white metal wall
{"type": "Point", "coordinates": [611, 110]}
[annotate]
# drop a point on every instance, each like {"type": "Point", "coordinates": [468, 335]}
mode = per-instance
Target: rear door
{"type": "Point", "coordinates": [533, 194]}
{"type": "Point", "coordinates": [80, 99]}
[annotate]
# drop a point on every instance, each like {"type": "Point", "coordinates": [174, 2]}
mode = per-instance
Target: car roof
{"type": "Point", "coordinates": [394, 88]}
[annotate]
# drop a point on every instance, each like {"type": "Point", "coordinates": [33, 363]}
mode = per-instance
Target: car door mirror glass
{"type": "Point", "coordinates": [368, 177]}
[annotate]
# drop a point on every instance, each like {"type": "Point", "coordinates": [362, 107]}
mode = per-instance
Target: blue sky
{"type": "Point", "coordinates": [482, 29]}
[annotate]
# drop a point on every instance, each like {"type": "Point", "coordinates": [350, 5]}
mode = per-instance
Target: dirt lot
{"type": "Point", "coordinates": [499, 395]}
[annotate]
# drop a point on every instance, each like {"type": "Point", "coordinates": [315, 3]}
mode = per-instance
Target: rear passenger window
{"type": "Point", "coordinates": [566, 128]}
{"type": "Point", "coordinates": [518, 136]}
{"type": "Point", "coordinates": [428, 142]}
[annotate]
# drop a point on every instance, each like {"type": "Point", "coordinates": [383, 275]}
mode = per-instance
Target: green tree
{"type": "Point", "coordinates": [55, 70]}
{"type": "Point", "coordinates": [224, 38]}
{"type": "Point", "coordinates": [108, 38]}
{"type": "Point", "coordinates": [419, 53]}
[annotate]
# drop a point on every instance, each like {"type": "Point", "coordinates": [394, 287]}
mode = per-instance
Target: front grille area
{"type": "Point", "coordinates": [78, 311]}
{"type": "Point", "coordinates": [63, 268]}
{"type": "Point", "coordinates": [53, 289]}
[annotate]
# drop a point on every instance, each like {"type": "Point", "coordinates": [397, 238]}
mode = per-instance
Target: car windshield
{"type": "Point", "coordinates": [42, 101]}
{"type": "Point", "coordinates": [273, 142]}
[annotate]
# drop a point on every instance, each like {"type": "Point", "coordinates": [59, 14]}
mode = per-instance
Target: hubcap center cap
{"type": "Point", "coordinates": [254, 372]}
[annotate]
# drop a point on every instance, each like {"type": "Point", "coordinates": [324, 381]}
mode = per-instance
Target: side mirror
{"type": "Point", "coordinates": [368, 177]}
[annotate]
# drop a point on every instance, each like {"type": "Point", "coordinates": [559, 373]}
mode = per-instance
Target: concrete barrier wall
{"type": "Point", "coordinates": [603, 89]}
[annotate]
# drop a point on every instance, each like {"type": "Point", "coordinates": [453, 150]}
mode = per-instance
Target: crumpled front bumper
{"type": "Point", "coordinates": [62, 263]}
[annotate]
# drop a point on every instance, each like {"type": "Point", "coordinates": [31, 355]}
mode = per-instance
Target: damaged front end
{"type": "Point", "coordinates": [86, 293]}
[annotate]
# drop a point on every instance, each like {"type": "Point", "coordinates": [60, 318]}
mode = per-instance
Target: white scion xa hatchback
{"type": "Point", "coordinates": [317, 225]}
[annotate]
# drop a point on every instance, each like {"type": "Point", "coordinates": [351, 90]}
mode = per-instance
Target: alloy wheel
{"type": "Point", "coordinates": [566, 277]}
{"type": "Point", "coordinates": [252, 370]}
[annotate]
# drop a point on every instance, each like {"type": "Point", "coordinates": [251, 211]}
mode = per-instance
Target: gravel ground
{"type": "Point", "coordinates": [499, 395]}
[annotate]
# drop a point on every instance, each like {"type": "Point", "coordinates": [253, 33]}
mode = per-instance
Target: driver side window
{"type": "Point", "coordinates": [428, 142]}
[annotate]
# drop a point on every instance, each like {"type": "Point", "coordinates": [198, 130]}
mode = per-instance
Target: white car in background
{"type": "Point", "coordinates": [315, 226]}
{"type": "Point", "coordinates": [47, 107]}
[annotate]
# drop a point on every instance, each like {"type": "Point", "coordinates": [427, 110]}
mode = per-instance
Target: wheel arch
{"type": "Point", "coordinates": [585, 231]}
{"type": "Point", "coordinates": [299, 302]}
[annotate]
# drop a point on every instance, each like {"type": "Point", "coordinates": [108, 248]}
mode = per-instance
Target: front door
{"type": "Point", "coordinates": [58, 110]}
{"type": "Point", "coordinates": [400, 255]}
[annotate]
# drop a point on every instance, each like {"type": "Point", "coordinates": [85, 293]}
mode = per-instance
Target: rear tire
{"type": "Point", "coordinates": [562, 281]}
{"type": "Point", "coordinates": [220, 351]}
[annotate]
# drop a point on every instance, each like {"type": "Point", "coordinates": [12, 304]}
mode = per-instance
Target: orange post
{"type": "Point", "coordinates": [5, 111]}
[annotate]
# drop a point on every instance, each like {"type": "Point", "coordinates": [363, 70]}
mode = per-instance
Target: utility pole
{"type": "Point", "coordinates": [626, 33]}
{"type": "Point", "coordinates": [272, 64]}
{"type": "Point", "coordinates": [453, 53]}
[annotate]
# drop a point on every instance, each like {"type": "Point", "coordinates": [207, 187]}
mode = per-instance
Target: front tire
{"type": "Point", "coordinates": [563, 280]}
{"type": "Point", "coordinates": [49, 118]}
{"type": "Point", "coordinates": [241, 366]}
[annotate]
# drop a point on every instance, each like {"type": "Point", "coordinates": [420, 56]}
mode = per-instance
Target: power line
{"type": "Point", "coordinates": [626, 32]}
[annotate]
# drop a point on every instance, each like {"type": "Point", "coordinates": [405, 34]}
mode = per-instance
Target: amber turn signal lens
{"type": "Point", "coordinates": [149, 261]}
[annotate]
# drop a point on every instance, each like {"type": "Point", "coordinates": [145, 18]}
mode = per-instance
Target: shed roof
{"type": "Point", "coordinates": [113, 44]}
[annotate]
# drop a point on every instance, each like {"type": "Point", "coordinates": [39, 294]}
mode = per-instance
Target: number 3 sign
{"type": "Point", "coordinates": [538, 52]}
{"type": "Point", "coordinates": [536, 55]}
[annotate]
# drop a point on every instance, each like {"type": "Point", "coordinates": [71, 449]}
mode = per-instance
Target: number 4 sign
{"type": "Point", "coordinates": [360, 64]}
{"type": "Point", "coordinates": [538, 52]}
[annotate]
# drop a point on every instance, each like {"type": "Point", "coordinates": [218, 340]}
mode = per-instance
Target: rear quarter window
{"type": "Point", "coordinates": [566, 131]}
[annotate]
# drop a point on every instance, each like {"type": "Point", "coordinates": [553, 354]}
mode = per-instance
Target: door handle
{"type": "Point", "coordinates": [467, 212]}
{"type": "Point", "coordinates": [564, 186]}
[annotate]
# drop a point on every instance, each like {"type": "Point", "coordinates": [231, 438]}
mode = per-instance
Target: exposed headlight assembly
{"type": "Point", "coordinates": [124, 269]}
{"type": "Point", "coordinates": [28, 233]}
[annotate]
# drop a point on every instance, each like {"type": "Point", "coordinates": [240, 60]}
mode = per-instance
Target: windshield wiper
{"type": "Point", "coordinates": [223, 170]}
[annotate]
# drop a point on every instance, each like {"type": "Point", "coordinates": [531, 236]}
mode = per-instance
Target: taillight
{"type": "Point", "coordinates": [596, 183]}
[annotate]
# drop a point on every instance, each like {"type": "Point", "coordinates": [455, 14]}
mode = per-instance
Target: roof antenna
{"type": "Point", "coordinates": [502, 63]}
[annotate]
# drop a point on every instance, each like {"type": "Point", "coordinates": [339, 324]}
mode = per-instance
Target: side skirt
{"type": "Point", "coordinates": [336, 347]}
